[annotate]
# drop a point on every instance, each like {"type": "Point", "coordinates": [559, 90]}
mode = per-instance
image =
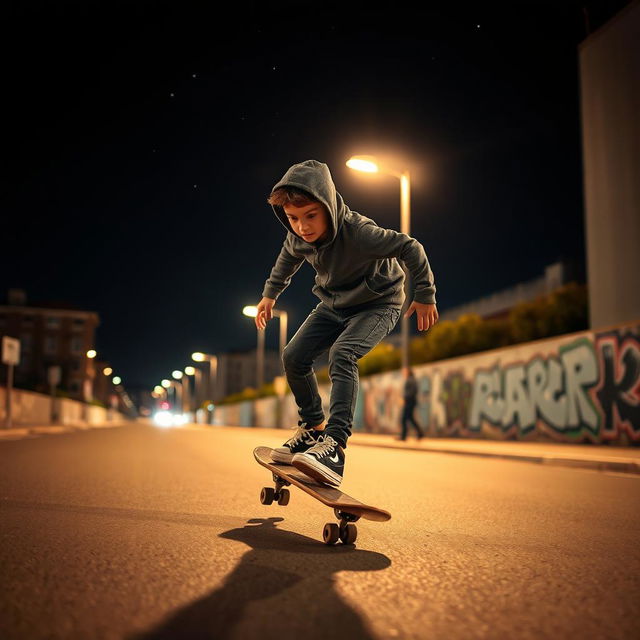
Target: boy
{"type": "Point", "coordinates": [361, 289]}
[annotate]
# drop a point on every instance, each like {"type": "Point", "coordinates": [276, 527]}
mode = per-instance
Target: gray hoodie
{"type": "Point", "coordinates": [356, 262]}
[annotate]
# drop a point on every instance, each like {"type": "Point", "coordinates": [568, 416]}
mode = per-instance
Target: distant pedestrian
{"type": "Point", "coordinates": [410, 401]}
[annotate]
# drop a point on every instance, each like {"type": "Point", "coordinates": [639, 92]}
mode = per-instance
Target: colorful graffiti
{"type": "Point", "coordinates": [584, 388]}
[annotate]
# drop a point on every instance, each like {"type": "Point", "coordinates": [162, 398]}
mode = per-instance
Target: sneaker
{"type": "Point", "coordinates": [324, 461]}
{"type": "Point", "coordinates": [299, 442]}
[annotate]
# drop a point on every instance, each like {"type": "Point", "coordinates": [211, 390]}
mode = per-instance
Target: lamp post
{"type": "Point", "coordinates": [252, 312]}
{"type": "Point", "coordinates": [369, 164]}
{"type": "Point", "coordinates": [184, 391]}
{"type": "Point", "coordinates": [212, 383]}
{"type": "Point", "coordinates": [284, 320]}
{"type": "Point", "coordinates": [197, 387]}
{"type": "Point", "coordinates": [167, 384]}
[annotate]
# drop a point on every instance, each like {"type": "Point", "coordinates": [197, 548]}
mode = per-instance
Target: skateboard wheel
{"type": "Point", "coordinates": [348, 533]}
{"type": "Point", "coordinates": [283, 498]}
{"type": "Point", "coordinates": [267, 495]}
{"type": "Point", "coordinates": [331, 533]}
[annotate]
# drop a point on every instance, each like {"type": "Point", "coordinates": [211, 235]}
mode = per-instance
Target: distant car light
{"type": "Point", "coordinates": [163, 419]}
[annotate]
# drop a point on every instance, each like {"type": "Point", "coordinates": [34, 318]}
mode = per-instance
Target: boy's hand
{"type": "Point", "coordinates": [427, 314]}
{"type": "Point", "coordinates": [264, 312]}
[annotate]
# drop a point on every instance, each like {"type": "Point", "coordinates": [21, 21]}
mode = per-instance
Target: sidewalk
{"type": "Point", "coordinates": [20, 432]}
{"type": "Point", "coordinates": [598, 457]}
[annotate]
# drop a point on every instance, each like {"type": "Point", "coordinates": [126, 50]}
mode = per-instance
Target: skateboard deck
{"type": "Point", "coordinates": [347, 509]}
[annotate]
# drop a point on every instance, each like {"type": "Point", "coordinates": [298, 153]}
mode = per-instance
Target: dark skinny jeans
{"type": "Point", "coordinates": [348, 334]}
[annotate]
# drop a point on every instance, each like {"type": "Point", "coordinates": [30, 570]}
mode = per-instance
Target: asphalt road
{"type": "Point", "coordinates": [141, 533]}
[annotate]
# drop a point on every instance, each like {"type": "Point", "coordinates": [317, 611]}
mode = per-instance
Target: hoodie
{"type": "Point", "coordinates": [356, 263]}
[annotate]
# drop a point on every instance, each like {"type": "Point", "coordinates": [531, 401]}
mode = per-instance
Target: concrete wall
{"type": "Point", "coordinates": [610, 108]}
{"type": "Point", "coordinates": [579, 388]}
{"type": "Point", "coordinates": [34, 409]}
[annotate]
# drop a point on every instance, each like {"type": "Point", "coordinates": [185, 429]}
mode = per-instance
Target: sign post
{"type": "Point", "coordinates": [10, 357]}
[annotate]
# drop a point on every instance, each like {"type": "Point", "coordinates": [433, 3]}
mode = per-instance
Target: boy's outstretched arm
{"type": "Point", "coordinates": [285, 267]}
{"type": "Point", "coordinates": [387, 243]}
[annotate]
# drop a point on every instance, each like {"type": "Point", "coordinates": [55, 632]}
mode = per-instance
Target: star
{"type": "Point", "coordinates": [172, 95]}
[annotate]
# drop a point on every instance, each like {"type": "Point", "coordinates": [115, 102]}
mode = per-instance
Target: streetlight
{"type": "Point", "coordinates": [87, 382]}
{"type": "Point", "coordinates": [252, 312]}
{"type": "Point", "coordinates": [168, 384]}
{"type": "Point", "coordinates": [212, 384]}
{"type": "Point", "coordinates": [369, 164]}
{"type": "Point", "coordinates": [177, 375]}
{"type": "Point", "coordinates": [197, 384]}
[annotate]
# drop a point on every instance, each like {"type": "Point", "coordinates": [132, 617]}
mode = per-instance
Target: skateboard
{"type": "Point", "coordinates": [347, 510]}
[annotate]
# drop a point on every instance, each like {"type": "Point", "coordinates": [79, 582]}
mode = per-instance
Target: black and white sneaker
{"type": "Point", "coordinates": [299, 442]}
{"type": "Point", "coordinates": [324, 461]}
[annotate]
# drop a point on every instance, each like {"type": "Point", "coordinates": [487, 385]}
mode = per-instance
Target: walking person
{"type": "Point", "coordinates": [410, 401]}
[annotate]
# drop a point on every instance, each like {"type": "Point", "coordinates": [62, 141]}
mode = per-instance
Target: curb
{"type": "Point", "coordinates": [630, 467]}
{"type": "Point", "coordinates": [16, 433]}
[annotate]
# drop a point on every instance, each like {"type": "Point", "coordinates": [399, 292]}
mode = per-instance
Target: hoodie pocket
{"type": "Point", "coordinates": [370, 288]}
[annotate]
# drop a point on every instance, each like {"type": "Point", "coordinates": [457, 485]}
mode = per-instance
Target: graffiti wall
{"type": "Point", "coordinates": [579, 388]}
{"type": "Point", "coordinates": [582, 387]}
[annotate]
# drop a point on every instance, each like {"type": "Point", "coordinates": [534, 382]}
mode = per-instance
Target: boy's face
{"type": "Point", "coordinates": [310, 221]}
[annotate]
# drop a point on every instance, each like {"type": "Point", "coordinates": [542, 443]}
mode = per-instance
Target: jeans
{"type": "Point", "coordinates": [349, 334]}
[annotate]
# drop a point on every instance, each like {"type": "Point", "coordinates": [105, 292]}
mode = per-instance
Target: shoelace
{"type": "Point", "coordinates": [325, 445]}
{"type": "Point", "coordinates": [297, 436]}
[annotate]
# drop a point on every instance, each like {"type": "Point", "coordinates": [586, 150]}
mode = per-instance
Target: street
{"type": "Point", "coordinates": [144, 533]}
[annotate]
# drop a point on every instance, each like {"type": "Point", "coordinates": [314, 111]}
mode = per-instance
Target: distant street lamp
{"type": "Point", "coordinates": [172, 384]}
{"type": "Point", "coordinates": [212, 384]}
{"type": "Point", "coordinates": [284, 319]}
{"type": "Point", "coordinates": [197, 387]}
{"type": "Point", "coordinates": [369, 164]}
{"type": "Point", "coordinates": [178, 375]}
{"type": "Point", "coordinates": [252, 312]}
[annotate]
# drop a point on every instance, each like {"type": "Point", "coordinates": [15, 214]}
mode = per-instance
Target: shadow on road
{"type": "Point", "coordinates": [282, 587]}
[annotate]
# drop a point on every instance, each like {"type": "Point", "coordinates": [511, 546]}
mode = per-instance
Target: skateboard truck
{"type": "Point", "coordinates": [279, 493]}
{"type": "Point", "coordinates": [345, 531]}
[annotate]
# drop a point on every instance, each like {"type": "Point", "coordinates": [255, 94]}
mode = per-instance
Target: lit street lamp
{"type": "Point", "coordinates": [252, 312]}
{"type": "Point", "coordinates": [212, 384]}
{"type": "Point", "coordinates": [177, 375]}
{"type": "Point", "coordinates": [167, 384]}
{"type": "Point", "coordinates": [369, 164]}
{"type": "Point", "coordinates": [197, 387]}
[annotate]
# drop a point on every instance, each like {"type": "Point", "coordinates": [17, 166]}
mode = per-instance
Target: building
{"type": "Point", "coordinates": [237, 370]}
{"type": "Point", "coordinates": [51, 335]}
{"type": "Point", "coordinates": [609, 107]}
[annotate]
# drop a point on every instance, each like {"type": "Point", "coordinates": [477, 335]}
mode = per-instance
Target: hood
{"type": "Point", "coordinates": [315, 178]}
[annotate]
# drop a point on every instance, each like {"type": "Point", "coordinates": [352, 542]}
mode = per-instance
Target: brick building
{"type": "Point", "coordinates": [50, 334]}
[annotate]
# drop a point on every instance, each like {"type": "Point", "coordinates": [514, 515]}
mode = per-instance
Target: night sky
{"type": "Point", "coordinates": [141, 140]}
